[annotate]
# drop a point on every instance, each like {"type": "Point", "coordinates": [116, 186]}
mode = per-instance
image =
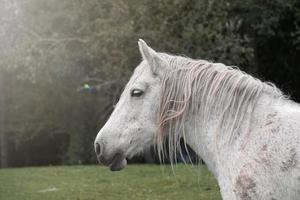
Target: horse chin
{"type": "Point", "coordinates": [118, 164]}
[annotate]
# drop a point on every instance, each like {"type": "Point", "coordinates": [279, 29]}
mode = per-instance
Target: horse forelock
{"type": "Point", "coordinates": [200, 89]}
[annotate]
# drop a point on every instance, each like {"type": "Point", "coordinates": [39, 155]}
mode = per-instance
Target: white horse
{"type": "Point", "coordinates": [245, 130]}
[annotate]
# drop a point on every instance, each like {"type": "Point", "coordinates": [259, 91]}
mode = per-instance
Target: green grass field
{"type": "Point", "coordinates": [97, 182]}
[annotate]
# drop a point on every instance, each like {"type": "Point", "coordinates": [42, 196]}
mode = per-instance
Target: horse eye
{"type": "Point", "coordinates": [136, 93]}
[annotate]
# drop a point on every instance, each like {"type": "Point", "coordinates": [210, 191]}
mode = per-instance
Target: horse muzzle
{"type": "Point", "coordinates": [115, 161]}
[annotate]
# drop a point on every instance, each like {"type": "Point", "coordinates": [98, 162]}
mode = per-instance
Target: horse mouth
{"type": "Point", "coordinates": [118, 162]}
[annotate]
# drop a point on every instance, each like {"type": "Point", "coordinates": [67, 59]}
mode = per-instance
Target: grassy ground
{"type": "Point", "coordinates": [96, 182]}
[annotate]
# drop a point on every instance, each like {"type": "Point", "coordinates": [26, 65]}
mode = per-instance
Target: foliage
{"type": "Point", "coordinates": [199, 29]}
{"type": "Point", "coordinates": [56, 46]}
{"type": "Point", "coordinates": [273, 28]}
{"type": "Point", "coordinates": [94, 182]}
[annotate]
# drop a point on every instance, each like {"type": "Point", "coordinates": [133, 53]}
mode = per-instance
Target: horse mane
{"type": "Point", "coordinates": [200, 88]}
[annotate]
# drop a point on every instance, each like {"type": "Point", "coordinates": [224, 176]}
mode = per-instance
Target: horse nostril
{"type": "Point", "coordinates": [97, 149]}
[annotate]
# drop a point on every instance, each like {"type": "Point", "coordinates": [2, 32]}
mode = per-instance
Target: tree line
{"type": "Point", "coordinates": [63, 64]}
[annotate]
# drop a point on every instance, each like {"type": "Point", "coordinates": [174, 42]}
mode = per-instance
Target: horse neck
{"type": "Point", "coordinates": [211, 147]}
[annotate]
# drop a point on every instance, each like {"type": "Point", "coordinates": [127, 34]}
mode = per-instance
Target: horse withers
{"type": "Point", "coordinates": [245, 130]}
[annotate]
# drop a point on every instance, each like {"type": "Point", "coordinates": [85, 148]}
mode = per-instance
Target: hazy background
{"type": "Point", "coordinates": [63, 63]}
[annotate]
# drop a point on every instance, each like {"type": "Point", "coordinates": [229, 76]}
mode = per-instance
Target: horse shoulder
{"type": "Point", "coordinates": [271, 160]}
{"type": "Point", "coordinates": [266, 164]}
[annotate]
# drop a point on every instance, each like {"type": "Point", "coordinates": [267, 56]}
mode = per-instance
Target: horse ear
{"type": "Point", "coordinates": [152, 57]}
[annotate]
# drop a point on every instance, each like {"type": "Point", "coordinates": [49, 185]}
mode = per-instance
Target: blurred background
{"type": "Point", "coordinates": [63, 64]}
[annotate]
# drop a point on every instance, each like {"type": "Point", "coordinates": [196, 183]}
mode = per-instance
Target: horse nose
{"type": "Point", "coordinates": [98, 149]}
